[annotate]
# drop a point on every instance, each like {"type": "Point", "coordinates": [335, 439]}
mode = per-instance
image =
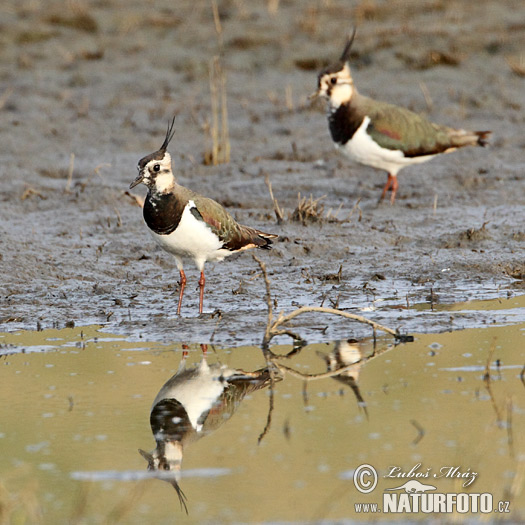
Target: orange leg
{"type": "Point", "coordinates": [391, 184]}
{"type": "Point", "coordinates": [182, 286]}
{"type": "Point", "coordinates": [202, 281]}
{"type": "Point", "coordinates": [394, 187]}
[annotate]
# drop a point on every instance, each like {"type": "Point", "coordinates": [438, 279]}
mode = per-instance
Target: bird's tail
{"type": "Point", "coordinates": [461, 137]}
{"type": "Point", "coordinates": [264, 240]}
{"type": "Point", "coordinates": [483, 137]}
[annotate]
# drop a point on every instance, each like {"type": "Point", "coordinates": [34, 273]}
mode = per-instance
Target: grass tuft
{"type": "Point", "coordinates": [308, 210]}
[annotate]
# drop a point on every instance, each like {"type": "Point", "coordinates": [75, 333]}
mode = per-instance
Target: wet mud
{"type": "Point", "coordinates": [87, 90]}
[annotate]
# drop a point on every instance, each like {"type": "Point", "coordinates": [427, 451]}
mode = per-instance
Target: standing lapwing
{"type": "Point", "coordinates": [379, 134]}
{"type": "Point", "coordinates": [186, 224]}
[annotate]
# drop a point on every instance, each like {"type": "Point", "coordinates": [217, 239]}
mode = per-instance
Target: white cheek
{"type": "Point", "coordinates": [340, 94]}
{"type": "Point", "coordinates": [164, 182]}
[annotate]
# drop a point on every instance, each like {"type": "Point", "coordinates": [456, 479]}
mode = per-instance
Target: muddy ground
{"type": "Point", "coordinates": [99, 80]}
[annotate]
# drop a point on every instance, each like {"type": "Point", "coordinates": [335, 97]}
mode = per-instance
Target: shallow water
{"type": "Point", "coordinates": [76, 410]}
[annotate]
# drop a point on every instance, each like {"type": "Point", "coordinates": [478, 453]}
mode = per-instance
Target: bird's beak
{"type": "Point", "coordinates": [137, 181]}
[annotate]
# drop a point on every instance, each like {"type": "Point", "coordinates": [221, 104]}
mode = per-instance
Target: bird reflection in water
{"type": "Point", "coordinates": [191, 404]}
{"type": "Point", "coordinates": [344, 354]}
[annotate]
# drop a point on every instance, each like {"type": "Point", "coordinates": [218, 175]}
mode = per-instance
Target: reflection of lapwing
{"type": "Point", "coordinates": [193, 403]}
{"type": "Point", "coordinates": [382, 135]}
{"type": "Point", "coordinates": [346, 353]}
{"type": "Point", "coordinates": [187, 224]}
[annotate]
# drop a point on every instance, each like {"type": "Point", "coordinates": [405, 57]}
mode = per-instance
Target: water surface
{"type": "Point", "coordinates": [76, 411]}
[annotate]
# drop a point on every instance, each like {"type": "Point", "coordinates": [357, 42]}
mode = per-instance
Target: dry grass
{"type": "Point", "coordinates": [279, 215]}
{"type": "Point", "coordinates": [70, 172]}
{"type": "Point", "coordinates": [308, 210]}
{"type": "Point", "coordinates": [218, 131]}
{"type": "Point", "coordinates": [430, 59]}
{"type": "Point", "coordinates": [517, 66]}
{"type": "Point", "coordinates": [32, 192]}
{"type": "Point", "coordinates": [273, 6]}
{"type": "Point", "coordinates": [77, 17]}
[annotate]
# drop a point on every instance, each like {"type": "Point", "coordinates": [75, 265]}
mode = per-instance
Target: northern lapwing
{"type": "Point", "coordinates": [193, 403]}
{"type": "Point", "coordinates": [347, 355]}
{"type": "Point", "coordinates": [379, 134]}
{"type": "Point", "coordinates": [186, 224]}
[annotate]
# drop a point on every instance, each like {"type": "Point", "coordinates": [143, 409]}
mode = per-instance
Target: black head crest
{"type": "Point", "coordinates": [169, 135]}
{"type": "Point", "coordinates": [345, 57]}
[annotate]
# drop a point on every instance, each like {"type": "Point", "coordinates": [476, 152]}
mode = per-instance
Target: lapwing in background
{"type": "Point", "coordinates": [192, 404]}
{"type": "Point", "coordinates": [346, 354]}
{"type": "Point", "coordinates": [379, 134]}
{"type": "Point", "coordinates": [186, 224]}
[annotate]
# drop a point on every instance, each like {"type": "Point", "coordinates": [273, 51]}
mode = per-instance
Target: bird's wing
{"type": "Point", "coordinates": [233, 235]}
{"type": "Point", "coordinates": [397, 128]}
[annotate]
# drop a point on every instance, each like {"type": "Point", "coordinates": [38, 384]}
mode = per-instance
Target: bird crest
{"type": "Point", "coordinates": [169, 135]}
{"type": "Point", "coordinates": [345, 56]}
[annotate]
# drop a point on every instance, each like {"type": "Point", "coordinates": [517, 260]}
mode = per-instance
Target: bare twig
{"type": "Point", "coordinates": [315, 377]}
{"type": "Point", "coordinates": [220, 152]}
{"type": "Point", "coordinates": [289, 333]}
{"type": "Point", "coordinates": [273, 7]}
{"type": "Point", "coordinates": [276, 208]}
{"type": "Point", "coordinates": [70, 172]}
{"type": "Point", "coordinates": [426, 94]}
{"type": "Point", "coordinates": [333, 311]}
{"type": "Point", "coordinates": [270, 410]}
{"type": "Point", "coordinates": [289, 98]}
{"type": "Point", "coordinates": [217, 22]}
{"type": "Point", "coordinates": [356, 207]}
{"type": "Point", "coordinates": [488, 382]}
{"type": "Point", "coordinates": [5, 96]}
{"type": "Point", "coordinates": [420, 431]}
{"type": "Point", "coordinates": [517, 66]}
{"type": "Point", "coordinates": [267, 334]}
{"type": "Point", "coordinates": [119, 218]}
{"type": "Point", "coordinates": [489, 360]}
{"type": "Point", "coordinates": [272, 329]}
{"type": "Point", "coordinates": [510, 436]}
{"type": "Point", "coordinates": [136, 199]}
{"type": "Point", "coordinates": [272, 326]}
{"type": "Point", "coordinates": [305, 393]}
{"type": "Point", "coordinates": [30, 192]}
{"type": "Point", "coordinates": [97, 169]}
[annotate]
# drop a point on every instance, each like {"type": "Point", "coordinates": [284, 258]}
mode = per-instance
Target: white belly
{"type": "Point", "coordinates": [192, 239]}
{"type": "Point", "coordinates": [197, 390]}
{"type": "Point", "coordinates": [364, 150]}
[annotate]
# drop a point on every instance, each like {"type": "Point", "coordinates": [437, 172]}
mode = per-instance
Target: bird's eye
{"type": "Point", "coordinates": [166, 466]}
{"type": "Point", "coordinates": [156, 167]}
{"type": "Point", "coordinates": [333, 81]}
